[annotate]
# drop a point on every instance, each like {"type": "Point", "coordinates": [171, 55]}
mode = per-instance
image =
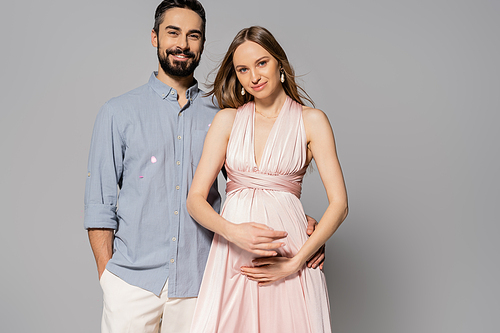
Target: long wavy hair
{"type": "Point", "coordinates": [226, 87]}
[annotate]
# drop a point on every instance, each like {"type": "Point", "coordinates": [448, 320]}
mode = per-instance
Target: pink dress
{"type": "Point", "coordinates": [230, 303]}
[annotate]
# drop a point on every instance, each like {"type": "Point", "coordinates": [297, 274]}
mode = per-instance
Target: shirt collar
{"type": "Point", "coordinates": [164, 90]}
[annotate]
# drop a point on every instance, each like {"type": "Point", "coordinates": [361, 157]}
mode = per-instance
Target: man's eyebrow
{"type": "Point", "coordinates": [192, 31]}
{"type": "Point", "coordinates": [195, 31]}
{"type": "Point", "coordinates": [172, 27]}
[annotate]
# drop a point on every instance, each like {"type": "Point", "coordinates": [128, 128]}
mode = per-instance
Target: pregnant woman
{"type": "Point", "coordinates": [266, 138]}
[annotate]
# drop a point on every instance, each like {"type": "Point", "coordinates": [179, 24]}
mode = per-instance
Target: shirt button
{"type": "Point", "coordinates": [174, 239]}
{"type": "Point", "coordinates": [178, 162]}
{"type": "Point", "coordinates": [172, 261]}
{"type": "Point", "coordinates": [179, 137]}
{"type": "Point", "coordinates": [176, 213]}
{"type": "Point", "coordinates": [177, 187]}
{"type": "Point", "coordinates": [172, 92]}
{"type": "Point", "coordinates": [180, 114]}
{"type": "Point", "coordinates": [162, 95]}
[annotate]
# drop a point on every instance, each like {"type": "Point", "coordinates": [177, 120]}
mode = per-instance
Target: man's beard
{"type": "Point", "coordinates": [177, 68]}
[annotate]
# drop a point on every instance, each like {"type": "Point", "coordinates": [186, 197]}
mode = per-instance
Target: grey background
{"type": "Point", "coordinates": [411, 89]}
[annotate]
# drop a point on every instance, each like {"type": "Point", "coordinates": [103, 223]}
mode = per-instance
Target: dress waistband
{"type": "Point", "coordinates": [286, 183]}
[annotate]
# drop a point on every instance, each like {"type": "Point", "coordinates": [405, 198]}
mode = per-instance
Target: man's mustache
{"type": "Point", "coordinates": [177, 51]}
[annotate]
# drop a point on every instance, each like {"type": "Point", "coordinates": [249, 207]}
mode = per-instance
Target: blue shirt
{"type": "Point", "coordinates": [143, 155]}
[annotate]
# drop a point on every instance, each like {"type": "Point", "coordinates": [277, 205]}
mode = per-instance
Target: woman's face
{"type": "Point", "coordinates": [257, 70]}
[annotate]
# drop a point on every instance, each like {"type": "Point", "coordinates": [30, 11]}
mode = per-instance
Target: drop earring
{"type": "Point", "coordinates": [242, 91]}
{"type": "Point", "coordinates": [282, 77]}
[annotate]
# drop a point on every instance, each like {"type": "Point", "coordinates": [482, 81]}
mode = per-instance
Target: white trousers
{"type": "Point", "coordinates": [130, 309]}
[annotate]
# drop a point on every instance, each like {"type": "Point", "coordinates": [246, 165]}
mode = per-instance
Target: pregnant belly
{"type": "Point", "coordinates": [278, 210]}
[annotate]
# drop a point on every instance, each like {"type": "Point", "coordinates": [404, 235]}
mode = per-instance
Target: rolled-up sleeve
{"type": "Point", "coordinates": [105, 169]}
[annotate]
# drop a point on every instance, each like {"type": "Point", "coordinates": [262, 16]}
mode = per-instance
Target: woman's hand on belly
{"type": "Point", "coordinates": [271, 269]}
{"type": "Point", "coordinates": [255, 238]}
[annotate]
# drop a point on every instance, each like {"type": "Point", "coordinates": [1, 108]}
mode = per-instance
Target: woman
{"type": "Point", "coordinates": [266, 137]}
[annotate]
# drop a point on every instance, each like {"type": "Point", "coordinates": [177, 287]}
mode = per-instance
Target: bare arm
{"type": "Point", "coordinates": [101, 241]}
{"type": "Point", "coordinates": [322, 146]}
{"type": "Point", "coordinates": [252, 237]}
{"type": "Point", "coordinates": [318, 259]}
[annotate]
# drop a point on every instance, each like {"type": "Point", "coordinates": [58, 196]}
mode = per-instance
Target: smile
{"type": "Point", "coordinates": [180, 57]}
{"type": "Point", "coordinates": [259, 87]}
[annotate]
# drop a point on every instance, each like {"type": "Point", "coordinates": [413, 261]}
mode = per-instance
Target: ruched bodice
{"type": "Point", "coordinates": [284, 157]}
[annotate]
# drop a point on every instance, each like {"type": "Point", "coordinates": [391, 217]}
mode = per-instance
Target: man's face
{"type": "Point", "coordinates": [179, 42]}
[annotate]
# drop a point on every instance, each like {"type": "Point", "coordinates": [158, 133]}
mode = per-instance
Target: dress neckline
{"type": "Point", "coordinates": [273, 129]}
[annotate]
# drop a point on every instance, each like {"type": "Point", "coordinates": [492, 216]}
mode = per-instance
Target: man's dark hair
{"type": "Point", "coordinates": [165, 5]}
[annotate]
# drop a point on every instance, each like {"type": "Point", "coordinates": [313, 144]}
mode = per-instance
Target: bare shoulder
{"type": "Point", "coordinates": [314, 117]}
{"type": "Point", "coordinates": [223, 122]}
{"type": "Point", "coordinates": [225, 116]}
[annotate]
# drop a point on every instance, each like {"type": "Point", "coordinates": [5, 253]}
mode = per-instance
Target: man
{"type": "Point", "coordinates": [150, 253]}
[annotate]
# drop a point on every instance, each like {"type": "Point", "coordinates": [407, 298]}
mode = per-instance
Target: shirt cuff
{"type": "Point", "coordinates": [100, 216]}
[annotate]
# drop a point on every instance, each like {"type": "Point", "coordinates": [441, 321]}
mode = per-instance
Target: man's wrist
{"type": "Point", "coordinates": [102, 264]}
